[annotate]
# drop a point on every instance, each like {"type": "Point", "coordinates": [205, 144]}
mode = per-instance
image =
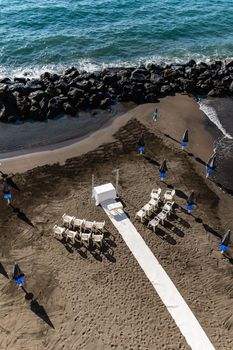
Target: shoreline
{"type": "Point", "coordinates": [183, 105]}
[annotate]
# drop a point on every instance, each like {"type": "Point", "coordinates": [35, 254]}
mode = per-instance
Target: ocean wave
{"type": "Point", "coordinates": [211, 113]}
{"type": "Point", "coordinates": [90, 65]}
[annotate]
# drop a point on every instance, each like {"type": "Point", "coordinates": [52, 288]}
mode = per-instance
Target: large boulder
{"type": "Point", "coordinates": [55, 107]}
{"type": "Point", "coordinates": [104, 104]}
{"type": "Point", "coordinates": [3, 90]}
{"type": "Point", "coordinates": [37, 95]}
{"type": "Point", "coordinates": [139, 75]}
{"type": "Point", "coordinates": [231, 87]}
{"type": "Point", "coordinates": [36, 114]}
{"type": "Point", "coordinates": [74, 94]}
{"type": "Point", "coordinates": [151, 98]}
{"type": "Point", "coordinates": [3, 114]}
{"type": "Point", "coordinates": [166, 90]}
{"type": "Point", "coordinates": [68, 109]}
{"type": "Point", "coordinates": [156, 79]}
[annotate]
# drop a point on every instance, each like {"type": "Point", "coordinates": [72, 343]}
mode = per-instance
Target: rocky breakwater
{"type": "Point", "coordinates": [72, 91]}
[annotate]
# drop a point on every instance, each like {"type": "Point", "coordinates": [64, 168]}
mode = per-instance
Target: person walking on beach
{"type": "Point", "coordinates": [7, 192]}
{"type": "Point", "coordinates": [163, 170]}
{"type": "Point", "coordinates": [141, 145]}
{"type": "Point", "coordinates": [155, 115]}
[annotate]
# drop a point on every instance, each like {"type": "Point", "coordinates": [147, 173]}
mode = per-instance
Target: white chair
{"type": "Point", "coordinates": [154, 223]}
{"type": "Point", "coordinates": [67, 220]}
{"type": "Point", "coordinates": [88, 225]}
{"type": "Point", "coordinates": [168, 207]}
{"type": "Point", "coordinates": [147, 208]}
{"type": "Point", "coordinates": [154, 203]}
{"type": "Point", "coordinates": [155, 193]}
{"type": "Point", "coordinates": [162, 216]}
{"type": "Point", "coordinates": [97, 238]}
{"type": "Point", "coordinates": [70, 235]}
{"type": "Point", "coordinates": [99, 226]}
{"type": "Point", "coordinates": [78, 224]}
{"type": "Point", "coordinates": [141, 214]}
{"type": "Point", "coordinates": [58, 231]}
{"type": "Point", "coordinates": [85, 237]}
{"type": "Point", "coordinates": [169, 194]}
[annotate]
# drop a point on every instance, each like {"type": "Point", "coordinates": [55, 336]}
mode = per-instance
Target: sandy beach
{"type": "Point", "coordinates": [94, 299]}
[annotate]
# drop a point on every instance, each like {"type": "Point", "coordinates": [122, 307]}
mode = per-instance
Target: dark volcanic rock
{"type": "Point", "coordinates": [104, 104]}
{"type": "Point", "coordinates": [67, 108]}
{"type": "Point", "coordinates": [139, 75]}
{"type": "Point", "coordinates": [3, 114]}
{"type": "Point", "coordinates": [37, 95]}
{"type": "Point", "coordinates": [36, 114]}
{"type": "Point", "coordinates": [231, 87]}
{"type": "Point", "coordinates": [75, 94]}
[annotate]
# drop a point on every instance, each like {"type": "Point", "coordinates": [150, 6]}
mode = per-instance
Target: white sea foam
{"type": "Point", "coordinates": [213, 117]}
{"type": "Point", "coordinates": [91, 65]}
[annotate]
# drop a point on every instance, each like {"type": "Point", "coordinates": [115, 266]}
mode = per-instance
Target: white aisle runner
{"type": "Point", "coordinates": [172, 299]}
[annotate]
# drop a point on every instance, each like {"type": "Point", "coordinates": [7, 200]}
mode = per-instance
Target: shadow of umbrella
{"type": "Point", "coordinates": [22, 216]}
{"type": "Point", "coordinates": [37, 308]}
{"type": "Point", "coordinates": [11, 183]}
{"type": "Point", "coordinates": [3, 271]}
{"type": "Point", "coordinates": [40, 312]}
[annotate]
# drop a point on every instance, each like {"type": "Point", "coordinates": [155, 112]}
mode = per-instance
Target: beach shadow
{"type": "Point", "coordinates": [174, 229]}
{"type": "Point", "coordinates": [22, 216]}
{"type": "Point", "coordinates": [212, 231]}
{"type": "Point", "coordinates": [172, 138]}
{"type": "Point", "coordinates": [223, 188]}
{"type": "Point", "coordinates": [199, 160]}
{"type": "Point", "coordinates": [181, 194]}
{"type": "Point", "coordinates": [10, 182]}
{"type": "Point", "coordinates": [151, 161]}
{"type": "Point", "coordinates": [165, 236]}
{"type": "Point", "coordinates": [38, 309]}
{"type": "Point", "coordinates": [180, 220]}
{"type": "Point", "coordinates": [3, 271]}
{"type": "Point", "coordinates": [108, 252]}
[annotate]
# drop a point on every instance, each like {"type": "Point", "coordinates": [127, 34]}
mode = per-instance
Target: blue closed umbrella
{"type": "Point", "coordinates": [225, 242]}
{"type": "Point", "coordinates": [185, 139]}
{"type": "Point", "coordinates": [141, 144]}
{"type": "Point", "coordinates": [18, 275]}
{"type": "Point", "coordinates": [211, 165]}
{"type": "Point", "coordinates": [190, 202]}
{"type": "Point", "coordinates": [162, 170]}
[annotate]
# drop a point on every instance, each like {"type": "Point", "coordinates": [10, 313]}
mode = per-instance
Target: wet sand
{"type": "Point", "coordinates": [101, 299]}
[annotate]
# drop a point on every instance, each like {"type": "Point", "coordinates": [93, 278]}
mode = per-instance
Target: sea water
{"type": "Point", "coordinates": [50, 35]}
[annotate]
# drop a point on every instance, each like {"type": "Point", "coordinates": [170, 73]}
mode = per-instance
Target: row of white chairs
{"type": "Point", "coordinates": [63, 232]}
{"type": "Point", "coordinates": [150, 207]}
{"type": "Point", "coordinates": [161, 216]}
{"type": "Point", "coordinates": [82, 224]}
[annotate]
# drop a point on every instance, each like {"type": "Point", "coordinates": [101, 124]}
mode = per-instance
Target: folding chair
{"type": "Point", "coordinates": [169, 194]}
{"type": "Point", "coordinates": [85, 237]}
{"type": "Point", "coordinates": [78, 224]}
{"type": "Point", "coordinates": [141, 214]}
{"type": "Point", "coordinates": [67, 220]}
{"type": "Point", "coordinates": [70, 235]}
{"type": "Point", "coordinates": [88, 225]}
{"type": "Point", "coordinates": [154, 223]}
{"type": "Point", "coordinates": [99, 226]}
{"type": "Point", "coordinates": [155, 193]}
{"type": "Point", "coordinates": [58, 232]}
{"type": "Point", "coordinates": [97, 238]}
